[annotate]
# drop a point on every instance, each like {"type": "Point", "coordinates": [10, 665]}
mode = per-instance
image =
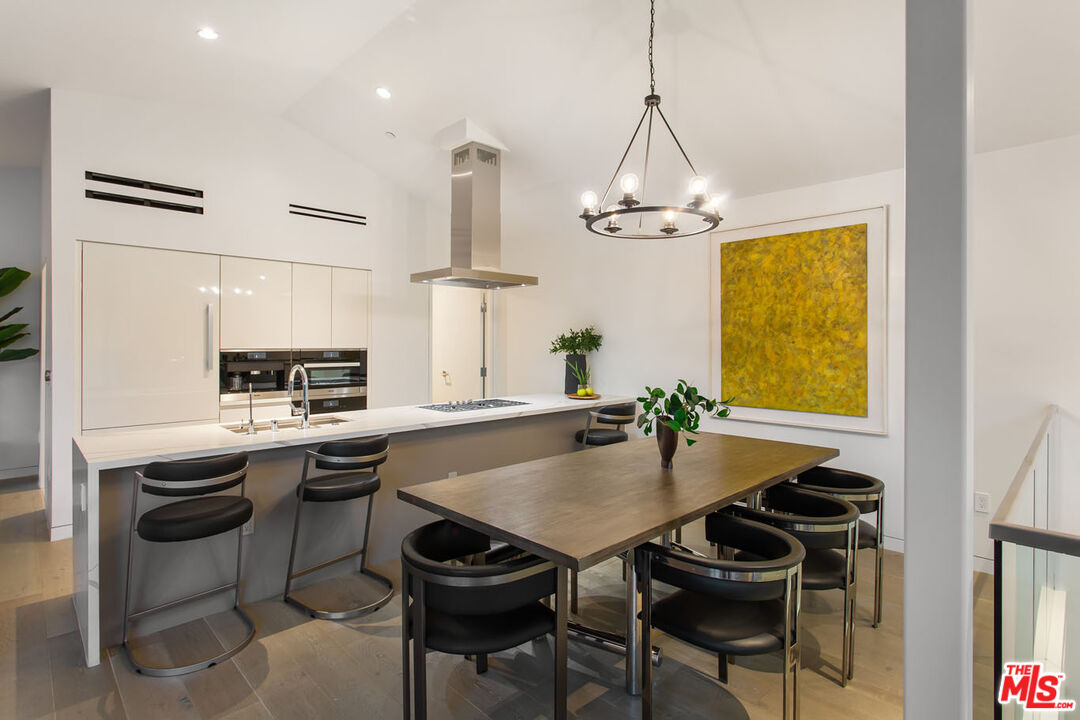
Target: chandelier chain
{"type": "Point", "coordinates": [652, 32]}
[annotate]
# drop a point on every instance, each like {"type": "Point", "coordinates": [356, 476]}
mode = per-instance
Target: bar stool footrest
{"type": "Point", "coordinates": [171, 671]}
{"type": "Point", "coordinates": [371, 607]}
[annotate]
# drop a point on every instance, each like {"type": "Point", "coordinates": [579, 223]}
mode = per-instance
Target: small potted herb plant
{"type": "Point", "coordinates": [576, 344]}
{"type": "Point", "coordinates": [674, 412]}
{"type": "Point", "coordinates": [582, 373]}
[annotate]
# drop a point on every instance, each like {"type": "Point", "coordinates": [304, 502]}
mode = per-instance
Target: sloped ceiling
{"type": "Point", "coordinates": [764, 94]}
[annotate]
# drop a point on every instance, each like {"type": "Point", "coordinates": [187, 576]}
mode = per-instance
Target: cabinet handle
{"type": "Point", "coordinates": [210, 336]}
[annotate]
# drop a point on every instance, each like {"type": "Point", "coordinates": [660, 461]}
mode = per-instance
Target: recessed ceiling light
{"type": "Point", "coordinates": [208, 33]}
{"type": "Point", "coordinates": [383, 93]}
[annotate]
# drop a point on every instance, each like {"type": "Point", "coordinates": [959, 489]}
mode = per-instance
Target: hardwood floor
{"type": "Point", "coordinates": [302, 668]}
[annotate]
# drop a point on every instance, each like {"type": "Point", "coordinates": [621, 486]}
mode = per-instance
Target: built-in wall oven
{"type": "Point", "coordinates": [337, 379]}
{"type": "Point", "coordinates": [255, 382]}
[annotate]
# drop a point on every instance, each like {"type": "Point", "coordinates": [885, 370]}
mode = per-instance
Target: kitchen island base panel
{"type": "Point", "coordinates": [329, 529]}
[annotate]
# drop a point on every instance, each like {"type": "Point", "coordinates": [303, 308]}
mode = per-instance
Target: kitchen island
{"type": "Point", "coordinates": [424, 445]}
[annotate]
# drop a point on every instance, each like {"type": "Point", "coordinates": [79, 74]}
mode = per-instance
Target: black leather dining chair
{"type": "Point", "coordinates": [743, 606]}
{"type": "Point", "coordinates": [354, 464]}
{"type": "Point", "coordinates": [202, 513]}
{"type": "Point", "coordinates": [827, 528]}
{"type": "Point", "coordinates": [466, 609]}
{"type": "Point", "coordinates": [867, 493]}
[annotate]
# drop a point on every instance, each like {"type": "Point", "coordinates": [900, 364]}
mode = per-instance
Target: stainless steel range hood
{"type": "Point", "coordinates": [475, 224]}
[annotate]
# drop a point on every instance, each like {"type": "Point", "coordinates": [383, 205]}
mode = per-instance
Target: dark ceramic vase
{"type": "Point", "coordinates": [668, 442]}
{"type": "Point", "coordinates": [571, 383]}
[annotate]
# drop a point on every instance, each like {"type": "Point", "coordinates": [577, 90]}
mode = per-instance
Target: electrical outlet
{"type": "Point", "coordinates": [249, 526]}
{"type": "Point", "coordinates": [452, 473]}
{"type": "Point", "coordinates": [982, 502]}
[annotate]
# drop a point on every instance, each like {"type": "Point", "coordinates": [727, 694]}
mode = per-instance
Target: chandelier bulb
{"type": "Point", "coordinates": [698, 186]}
{"type": "Point", "coordinates": [613, 221]}
{"type": "Point", "coordinates": [629, 183]}
{"type": "Point", "coordinates": [668, 227]}
{"type": "Point", "coordinates": [588, 200]}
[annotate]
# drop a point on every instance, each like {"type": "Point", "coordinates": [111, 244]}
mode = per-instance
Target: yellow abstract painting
{"type": "Point", "coordinates": [793, 313]}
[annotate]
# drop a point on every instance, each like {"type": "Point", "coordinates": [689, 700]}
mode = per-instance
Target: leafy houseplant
{"type": "Point", "coordinates": [11, 278]}
{"type": "Point", "coordinates": [675, 412]}
{"type": "Point", "coordinates": [576, 344]}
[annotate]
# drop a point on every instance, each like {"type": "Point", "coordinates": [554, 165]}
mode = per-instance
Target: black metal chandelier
{"type": "Point", "coordinates": [632, 216]}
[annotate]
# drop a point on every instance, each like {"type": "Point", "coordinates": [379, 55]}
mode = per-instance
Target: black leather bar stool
{"type": "Point", "coordinates": [827, 527]}
{"type": "Point", "coordinates": [617, 415]}
{"type": "Point", "coordinates": [866, 493]}
{"type": "Point", "coordinates": [465, 609]}
{"type": "Point", "coordinates": [746, 606]}
{"type": "Point", "coordinates": [197, 516]}
{"type": "Point", "coordinates": [355, 462]}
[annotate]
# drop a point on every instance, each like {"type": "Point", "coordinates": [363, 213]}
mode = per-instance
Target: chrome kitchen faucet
{"type": "Point", "coordinates": [305, 408]}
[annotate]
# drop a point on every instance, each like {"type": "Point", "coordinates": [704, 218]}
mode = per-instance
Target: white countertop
{"type": "Point", "coordinates": [125, 448]}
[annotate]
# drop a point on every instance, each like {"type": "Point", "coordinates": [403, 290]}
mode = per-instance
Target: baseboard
{"type": "Point", "coordinates": [18, 473]}
{"type": "Point", "coordinates": [894, 544]}
{"type": "Point", "coordinates": [60, 532]}
{"type": "Point", "coordinates": [984, 565]}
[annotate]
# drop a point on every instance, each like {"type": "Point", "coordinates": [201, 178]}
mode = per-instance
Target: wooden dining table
{"type": "Point", "coordinates": [584, 507]}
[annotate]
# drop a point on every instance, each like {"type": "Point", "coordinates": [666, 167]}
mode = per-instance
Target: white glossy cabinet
{"type": "Point", "coordinates": [256, 304]}
{"type": "Point", "coordinates": [311, 306]}
{"type": "Point", "coordinates": [350, 312]}
{"type": "Point", "coordinates": [149, 336]}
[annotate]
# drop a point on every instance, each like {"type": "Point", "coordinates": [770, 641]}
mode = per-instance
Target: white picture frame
{"type": "Point", "coordinates": [876, 220]}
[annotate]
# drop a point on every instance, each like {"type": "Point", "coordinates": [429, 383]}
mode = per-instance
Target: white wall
{"type": "Point", "coordinates": [250, 168]}
{"type": "Point", "coordinates": [650, 300]}
{"type": "Point", "coordinates": [20, 228]}
{"type": "Point", "coordinates": [1025, 268]}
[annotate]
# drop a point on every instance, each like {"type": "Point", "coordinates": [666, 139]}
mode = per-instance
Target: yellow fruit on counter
{"type": "Point", "coordinates": [581, 392]}
{"type": "Point", "coordinates": [589, 392]}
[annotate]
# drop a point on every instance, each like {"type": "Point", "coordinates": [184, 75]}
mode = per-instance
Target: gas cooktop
{"type": "Point", "coordinates": [463, 405]}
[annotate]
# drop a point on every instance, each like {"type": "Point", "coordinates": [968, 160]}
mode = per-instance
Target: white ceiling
{"type": "Point", "coordinates": [764, 94]}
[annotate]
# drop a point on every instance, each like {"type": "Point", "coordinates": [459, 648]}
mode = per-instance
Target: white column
{"type": "Point", "coordinates": [938, 483]}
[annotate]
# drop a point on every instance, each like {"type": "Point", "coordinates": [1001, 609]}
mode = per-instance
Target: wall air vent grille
{"type": "Point", "coordinates": [154, 189]}
{"type": "Point", "coordinates": [321, 214]}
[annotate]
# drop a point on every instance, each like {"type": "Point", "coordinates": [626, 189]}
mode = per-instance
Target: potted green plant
{"type": "Point", "coordinates": [11, 278]}
{"type": "Point", "coordinates": [576, 344]}
{"type": "Point", "coordinates": [674, 412]}
{"type": "Point", "coordinates": [582, 374]}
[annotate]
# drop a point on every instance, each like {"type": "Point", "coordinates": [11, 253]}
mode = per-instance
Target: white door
{"type": "Point", "coordinates": [149, 341]}
{"type": "Point", "coordinates": [256, 304]}
{"type": "Point", "coordinates": [458, 328]}
{"type": "Point", "coordinates": [351, 303]}
{"type": "Point", "coordinates": [311, 306]}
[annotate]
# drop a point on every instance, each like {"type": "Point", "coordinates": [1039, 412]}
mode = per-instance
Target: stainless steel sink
{"type": "Point", "coordinates": [284, 424]}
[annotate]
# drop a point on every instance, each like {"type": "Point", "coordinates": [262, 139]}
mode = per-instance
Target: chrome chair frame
{"type": "Point", "coordinates": [649, 553]}
{"type": "Point", "coordinates": [879, 540]}
{"type": "Point", "coordinates": [792, 525]}
{"type": "Point", "coordinates": [373, 461]}
{"type": "Point", "coordinates": [413, 580]}
{"type": "Point", "coordinates": [130, 617]}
